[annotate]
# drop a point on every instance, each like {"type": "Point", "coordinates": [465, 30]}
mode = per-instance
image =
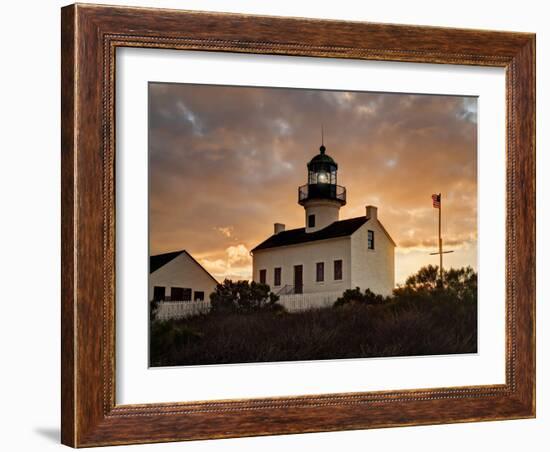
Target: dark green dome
{"type": "Point", "coordinates": [322, 180]}
{"type": "Point", "coordinates": [322, 158]}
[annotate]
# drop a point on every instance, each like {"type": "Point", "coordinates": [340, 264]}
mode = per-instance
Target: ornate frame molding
{"type": "Point", "coordinates": [90, 37]}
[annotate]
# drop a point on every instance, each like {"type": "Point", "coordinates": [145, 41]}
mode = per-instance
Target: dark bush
{"type": "Point", "coordinates": [423, 317]}
{"type": "Point", "coordinates": [407, 327]}
{"type": "Point", "coordinates": [167, 336]}
{"type": "Point", "coordinates": [243, 297]}
{"type": "Point", "coordinates": [458, 285]}
{"type": "Point", "coordinates": [153, 310]}
{"type": "Point", "coordinates": [355, 296]}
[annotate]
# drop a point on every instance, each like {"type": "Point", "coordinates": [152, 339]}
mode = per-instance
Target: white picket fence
{"type": "Point", "coordinates": [292, 302]}
{"type": "Point", "coordinates": [303, 301]}
{"type": "Point", "coordinates": [180, 309]}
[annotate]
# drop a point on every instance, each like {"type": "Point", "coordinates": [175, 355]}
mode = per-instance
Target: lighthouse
{"type": "Point", "coordinates": [321, 197]}
{"type": "Point", "coordinates": [312, 266]}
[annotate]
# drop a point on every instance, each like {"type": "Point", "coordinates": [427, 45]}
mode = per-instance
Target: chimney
{"type": "Point", "coordinates": [278, 227]}
{"type": "Point", "coordinates": [372, 212]}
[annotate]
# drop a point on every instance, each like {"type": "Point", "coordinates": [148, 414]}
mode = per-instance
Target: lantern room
{"type": "Point", "coordinates": [322, 169]}
{"type": "Point", "coordinates": [322, 180]}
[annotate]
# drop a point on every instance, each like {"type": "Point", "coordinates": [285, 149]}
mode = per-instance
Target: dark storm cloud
{"type": "Point", "coordinates": [225, 164]}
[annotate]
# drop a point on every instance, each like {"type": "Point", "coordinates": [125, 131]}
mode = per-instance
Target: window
{"type": "Point", "coordinates": [263, 276]}
{"type": "Point", "coordinates": [370, 240]}
{"type": "Point", "coordinates": [186, 295]}
{"type": "Point", "coordinates": [159, 293]}
{"type": "Point", "coordinates": [311, 221]}
{"type": "Point", "coordinates": [176, 294]}
{"type": "Point", "coordinates": [320, 272]}
{"type": "Point", "coordinates": [198, 296]}
{"type": "Point", "coordinates": [277, 276]}
{"type": "Point", "coordinates": [338, 269]}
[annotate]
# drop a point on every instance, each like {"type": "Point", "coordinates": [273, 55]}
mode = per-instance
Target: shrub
{"type": "Point", "coordinates": [153, 310]}
{"type": "Point", "coordinates": [167, 336]}
{"type": "Point", "coordinates": [423, 317]}
{"type": "Point", "coordinates": [458, 284]}
{"type": "Point", "coordinates": [355, 296]}
{"type": "Point", "coordinates": [396, 328]}
{"type": "Point", "coordinates": [425, 279]}
{"type": "Point", "coordinates": [243, 297]}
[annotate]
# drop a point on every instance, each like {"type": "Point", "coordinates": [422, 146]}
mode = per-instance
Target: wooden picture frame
{"type": "Point", "coordinates": [90, 36]}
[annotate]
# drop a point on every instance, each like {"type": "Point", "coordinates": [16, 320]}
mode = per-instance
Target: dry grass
{"type": "Point", "coordinates": [398, 328]}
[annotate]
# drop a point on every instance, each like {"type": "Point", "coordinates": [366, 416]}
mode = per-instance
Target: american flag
{"type": "Point", "coordinates": [436, 199]}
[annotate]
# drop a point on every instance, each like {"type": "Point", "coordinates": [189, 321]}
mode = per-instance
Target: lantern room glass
{"type": "Point", "coordinates": [322, 175]}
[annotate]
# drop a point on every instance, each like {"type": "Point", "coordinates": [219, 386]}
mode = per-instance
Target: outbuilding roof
{"type": "Point", "coordinates": [160, 260]}
{"type": "Point", "coordinates": [342, 228]}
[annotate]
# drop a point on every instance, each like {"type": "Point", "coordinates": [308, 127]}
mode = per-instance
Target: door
{"type": "Point", "coordinates": [298, 279]}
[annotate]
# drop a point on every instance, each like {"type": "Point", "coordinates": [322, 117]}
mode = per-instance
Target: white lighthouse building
{"type": "Point", "coordinates": [328, 255]}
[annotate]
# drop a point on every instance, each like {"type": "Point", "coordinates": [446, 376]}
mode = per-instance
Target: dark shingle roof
{"type": "Point", "coordinates": [160, 260]}
{"type": "Point", "coordinates": [155, 262]}
{"type": "Point", "coordinates": [341, 228]}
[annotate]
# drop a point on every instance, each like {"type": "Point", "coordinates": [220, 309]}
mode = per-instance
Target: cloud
{"type": "Point", "coordinates": [238, 255]}
{"type": "Point", "coordinates": [235, 156]}
{"type": "Point", "coordinates": [226, 231]}
{"type": "Point", "coordinates": [236, 263]}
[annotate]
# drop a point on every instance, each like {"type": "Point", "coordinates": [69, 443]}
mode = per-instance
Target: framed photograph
{"type": "Point", "coordinates": [281, 225]}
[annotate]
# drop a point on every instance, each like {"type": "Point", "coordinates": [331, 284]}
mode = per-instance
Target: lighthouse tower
{"type": "Point", "coordinates": [316, 261]}
{"type": "Point", "coordinates": [321, 197]}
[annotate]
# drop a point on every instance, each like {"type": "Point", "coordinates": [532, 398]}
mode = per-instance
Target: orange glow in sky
{"type": "Point", "coordinates": [225, 164]}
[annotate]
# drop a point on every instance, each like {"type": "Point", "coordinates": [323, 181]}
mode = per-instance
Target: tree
{"type": "Point", "coordinates": [425, 279]}
{"type": "Point", "coordinates": [243, 297]}
{"type": "Point", "coordinates": [459, 284]}
{"type": "Point", "coordinates": [462, 283]}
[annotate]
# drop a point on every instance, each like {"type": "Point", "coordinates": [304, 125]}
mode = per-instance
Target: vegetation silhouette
{"type": "Point", "coordinates": [424, 316]}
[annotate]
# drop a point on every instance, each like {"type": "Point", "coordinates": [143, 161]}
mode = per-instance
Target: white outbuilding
{"type": "Point", "coordinates": [178, 277]}
{"type": "Point", "coordinates": [327, 255]}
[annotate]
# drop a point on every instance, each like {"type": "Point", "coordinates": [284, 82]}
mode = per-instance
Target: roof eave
{"type": "Point", "coordinates": [304, 243]}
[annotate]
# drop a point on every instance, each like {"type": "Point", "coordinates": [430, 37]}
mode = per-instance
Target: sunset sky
{"type": "Point", "coordinates": [225, 164]}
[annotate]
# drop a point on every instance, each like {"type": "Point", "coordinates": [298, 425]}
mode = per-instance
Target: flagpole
{"type": "Point", "coordinates": [440, 244]}
{"type": "Point", "coordinates": [437, 202]}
